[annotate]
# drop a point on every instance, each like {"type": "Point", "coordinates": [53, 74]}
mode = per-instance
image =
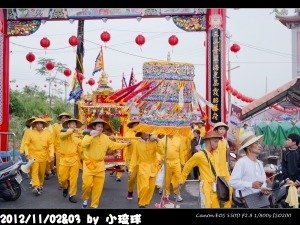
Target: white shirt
{"type": "Point", "coordinates": [244, 173]}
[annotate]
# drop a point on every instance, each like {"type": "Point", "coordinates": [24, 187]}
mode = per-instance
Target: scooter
{"type": "Point", "coordinates": [10, 180]}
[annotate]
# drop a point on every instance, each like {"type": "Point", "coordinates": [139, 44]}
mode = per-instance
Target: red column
{"type": "Point", "coordinates": [4, 76]}
{"type": "Point", "coordinates": [222, 99]}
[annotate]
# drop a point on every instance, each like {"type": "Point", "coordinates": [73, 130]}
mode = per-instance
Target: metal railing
{"type": "Point", "coordinates": [14, 144]}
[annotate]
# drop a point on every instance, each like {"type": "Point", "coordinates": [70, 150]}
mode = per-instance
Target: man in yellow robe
{"type": "Point", "coordinates": [95, 147]}
{"type": "Point", "coordinates": [145, 157]}
{"type": "Point", "coordinates": [128, 153]}
{"type": "Point", "coordinates": [49, 166]}
{"type": "Point", "coordinates": [56, 140]}
{"type": "Point", "coordinates": [25, 135]}
{"type": "Point", "coordinates": [70, 155]}
{"type": "Point", "coordinates": [209, 197]}
{"type": "Point", "coordinates": [223, 149]}
{"type": "Point", "coordinates": [39, 146]}
{"type": "Point", "coordinates": [175, 162]}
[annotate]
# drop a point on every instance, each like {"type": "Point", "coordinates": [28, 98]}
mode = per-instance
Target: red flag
{"type": "Point", "coordinates": [149, 92]}
{"type": "Point", "coordinates": [131, 79]}
{"type": "Point", "coordinates": [121, 92]}
{"type": "Point", "coordinates": [137, 92]}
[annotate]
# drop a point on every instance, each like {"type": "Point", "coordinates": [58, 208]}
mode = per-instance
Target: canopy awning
{"type": "Point", "coordinates": [287, 93]}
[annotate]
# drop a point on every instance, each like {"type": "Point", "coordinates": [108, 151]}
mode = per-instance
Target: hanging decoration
{"type": "Point", "coordinates": [30, 58]}
{"type": "Point", "coordinates": [50, 66]}
{"type": "Point", "coordinates": [55, 85]}
{"type": "Point", "coordinates": [67, 72]}
{"type": "Point", "coordinates": [235, 48]}
{"type": "Point", "coordinates": [17, 86]}
{"type": "Point", "coordinates": [77, 89]}
{"type": "Point", "coordinates": [105, 37]}
{"type": "Point", "coordinates": [45, 43]}
{"type": "Point", "coordinates": [45, 86]}
{"type": "Point", "coordinates": [173, 40]}
{"type": "Point", "coordinates": [140, 40]}
{"type": "Point", "coordinates": [91, 82]}
{"type": "Point", "coordinates": [73, 41]}
{"type": "Point", "coordinates": [80, 76]}
{"type": "Point", "coordinates": [110, 81]}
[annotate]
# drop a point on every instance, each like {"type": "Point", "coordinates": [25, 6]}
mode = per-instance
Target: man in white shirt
{"type": "Point", "coordinates": [248, 175]}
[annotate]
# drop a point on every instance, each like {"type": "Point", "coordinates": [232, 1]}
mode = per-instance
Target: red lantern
{"type": "Point", "coordinates": [45, 86]}
{"type": "Point", "coordinates": [80, 76]}
{"type": "Point", "coordinates": [73, 41]}
{"type": "Point", "coordinates": [228, 88]}
{"type": "Point", "coordinates": [110, 81]}
{"type": "Point", "coordinates": [35, 86]}
{"type": "Point", "coordinates": [26, 86]}
{"type": "Point", "coordinates": [140, 40]}
{"type": "Point", "coordinates": [227, 82]}
{"type": "Point", "coordinates": [294, 110]}
{"type": "Point", "coordinates": [91, 82]}
{"type": "Point", "coordinates": [50, 65]}
{"type": "Point", "coordinates": [30, 58]}
{"type": "Point", "coordinates": [45, 43]}
{"type": "Point", "coordinates": [55, 85]}
{"type": "Point", "coordinates": [17, 86]}
{"type": "Point", "coordinates": [105, 37]}
{"type": "Point", "coordinates": [239, 95]}
{"type": "Point", "coordinates": [234, 92]}
{"type": "Point", "coordinates": [173, 40]}
{"type": "Point", "coordinates": [67, 72]}
{"type": "Point", "coordinates": [235, 48]}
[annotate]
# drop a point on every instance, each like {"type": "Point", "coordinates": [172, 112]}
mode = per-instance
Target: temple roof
{"type": "Point", "coordinates": [295, 18]}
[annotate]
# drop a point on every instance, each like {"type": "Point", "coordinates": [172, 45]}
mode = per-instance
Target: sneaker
{"type": "Point", "coordinates": [41, 189]}
{"type": "Point", "coordinates": [47, 177]}
{"type": "Point", "coordinates": [160, 191]}
{"type": "Point", "coordinates": [129, 195]}
{"type": "Point", "coordinates": [111, 173]}
{"type": "Point", "coordinates": [36, 191]}
{"type": "Point", "coordinates": [53, 172]}
{"type": "Point", "coordinates": [72, 199]}
{"type": "Point", "coordinates": [179, 198]}
{"type": "Point", "coordinates": [30, 182]}
{"type": "Point", "coordinates": [65, 192]}
{"type": "Point", "coordinates": [118, 179]}
{"type": "Point", "coordinates": [84, 204]}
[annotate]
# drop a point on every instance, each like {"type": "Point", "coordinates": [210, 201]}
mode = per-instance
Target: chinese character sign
{"type": "Point", "coordinates": [215, 86]}
{"type": "Point", "coordinates": [235, 119]}
{"type": "Point", "coordinates": [124, 219]}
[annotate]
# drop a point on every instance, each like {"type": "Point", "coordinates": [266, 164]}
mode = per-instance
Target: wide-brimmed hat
{"type": "Point", "coordinates": [200, 121]}
{"type": "Point", "coordinates": [221, 124]}
{"type": "Point", "coordinates": [33, 123]}
{"type": "Point", "coordinates": [28, 122]}
{"type": "Point", "coordinates": [212, 134]}
{"type": "Point", "coordinates": [66, 123]}
{"type": "Point", "coordinates": [63, 114]}
{"type": "Point", "coordinates": [47, 118]}
{"type": "Point", "coordinates": [106, 126]}
{"type": "Point", "coordinates": [249, 138]}
{"type": "Point", "coordinates": [134, 119]}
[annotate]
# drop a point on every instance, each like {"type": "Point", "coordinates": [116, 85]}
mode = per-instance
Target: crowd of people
{"type": "Point", "coordinates": [206, 153]}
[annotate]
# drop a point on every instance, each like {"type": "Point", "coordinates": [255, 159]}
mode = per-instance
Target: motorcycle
{"type": "Point", "coordinates": [10, 180]}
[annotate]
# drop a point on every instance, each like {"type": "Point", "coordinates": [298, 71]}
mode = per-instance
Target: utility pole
{"type": "Point", "coordinates": [79, 60]}
{"type": "Point", "coordinates": [65, 91]}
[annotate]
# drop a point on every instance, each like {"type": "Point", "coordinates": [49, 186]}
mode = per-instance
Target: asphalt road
{"type": "Point", "coordinates": [114, 196]}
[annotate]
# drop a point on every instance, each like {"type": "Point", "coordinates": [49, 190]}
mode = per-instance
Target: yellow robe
{"type": "Point", "coordinates": [207, 177]}
{"type": "Point", "coordinates": [145, 157]}
{"type": "Point", "coordinates": [39, 146]}
{"type": "Point", "coordinates": [50, 165]}
{"type": "Point", "coordinates": [22, 147]}
{"type": "Point", "coordinates": [175, 158]}
{"type": "Point", "coordinates": [93, 176]}
{"type": "Point", "coordinates": [224, 170]}
{"type": "Point", "coordinates": [56, 141]}
{"type": "Point", "coordinates": [128, 153]}
{"type": "Point", "coordinates": [70, 152]}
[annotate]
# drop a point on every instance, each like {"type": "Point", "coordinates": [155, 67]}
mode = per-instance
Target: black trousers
{"type": "Point", "coordinates": [196, 172]}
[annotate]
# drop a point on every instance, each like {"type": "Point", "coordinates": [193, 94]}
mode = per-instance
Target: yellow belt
{"type": "Point", "coordinates": [91, 163]}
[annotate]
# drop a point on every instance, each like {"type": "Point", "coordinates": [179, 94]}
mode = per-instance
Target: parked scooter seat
{"type": "Point", "coordinates": [237, 201]}
{"type": "Point", "coordinates": [5, 165]}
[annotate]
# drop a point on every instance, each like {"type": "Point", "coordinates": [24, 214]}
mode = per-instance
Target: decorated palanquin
{"type": "Point", "coordinates": [93, 106]}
